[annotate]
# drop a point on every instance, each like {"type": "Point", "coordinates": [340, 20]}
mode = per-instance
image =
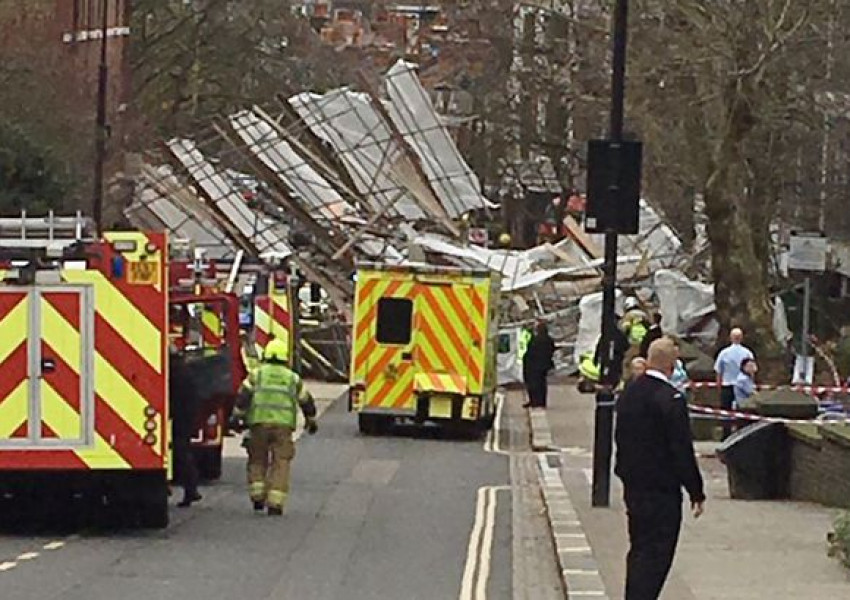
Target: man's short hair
{"type": "Point", "coordinates": [673, 338]}
{"type": "Point", "coordinates": [662, 354]}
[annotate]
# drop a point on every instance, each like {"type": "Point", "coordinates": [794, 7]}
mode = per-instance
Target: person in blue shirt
{"type": "Point", "coordinates": [745, 385]}
{"type": "Point", "coordinates": [728, 367]}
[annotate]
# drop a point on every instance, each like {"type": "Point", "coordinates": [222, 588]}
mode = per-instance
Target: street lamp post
{"type": "Point", "coordinates": [604, 418]}
{"type": "Point", "coordinates": [101, 125]}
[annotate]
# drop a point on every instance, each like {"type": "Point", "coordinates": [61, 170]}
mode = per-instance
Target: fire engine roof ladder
{"type": "Point", "coordinates": [51, 233]}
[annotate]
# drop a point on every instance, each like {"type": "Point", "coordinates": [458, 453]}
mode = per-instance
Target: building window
{"type": "Point", "coordinates": [395, 320]}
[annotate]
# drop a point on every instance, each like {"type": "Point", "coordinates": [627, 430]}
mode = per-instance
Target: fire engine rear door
{"type": "Point", "coordinates": [64, 385]}
{"type": "Point", "coordinates": [47, 349]}
{"type": "Point", "coordinates": [15, 388]}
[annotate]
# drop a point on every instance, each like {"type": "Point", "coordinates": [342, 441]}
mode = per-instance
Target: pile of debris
{"type": "Point", "coordinates": [327, 180]}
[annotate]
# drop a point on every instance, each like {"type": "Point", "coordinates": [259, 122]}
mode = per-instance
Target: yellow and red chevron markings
{"type": "Point", "coordinates": [273, 318]}
{"type": "Point", "coordinates": [128, 361]}
{"type": "Point", "coordinates": [448, 345]}
{"type": "Point", "coordinates": [446, 383]}
{"type": "Point", "coordinates": [212, 328]}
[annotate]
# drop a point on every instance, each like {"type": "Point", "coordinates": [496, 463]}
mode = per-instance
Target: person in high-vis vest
{"type": "Point", "coordinates": [525, 336]}
{"type": "Point", "coordinates": [635, 323]}
{"type": "Point", "coordinates": [588, 368]}
{"type": "Point", "coordinates": [268, 402]}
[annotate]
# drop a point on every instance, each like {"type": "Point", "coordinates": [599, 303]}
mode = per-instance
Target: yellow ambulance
{"type": "Point", "coordinates": [424, 347]}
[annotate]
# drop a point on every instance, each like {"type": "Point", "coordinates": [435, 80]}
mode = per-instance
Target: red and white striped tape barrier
{"type": "Point", "coordinates": [735, 415]}
{"type": "Point", "coordinates": [816, 389]}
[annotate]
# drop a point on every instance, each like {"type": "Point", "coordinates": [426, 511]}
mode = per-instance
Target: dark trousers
{"type": "Point", "coordinates": [727, 400]}
{"type": "Point", "coordinates": [538, 388]}
{"type": "Point", "coordinates": [655, 519]}
{"type": "Point", "coordinates": [185, 469]}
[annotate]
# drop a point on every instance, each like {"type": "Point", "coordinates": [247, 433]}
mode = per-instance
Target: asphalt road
{"type": "Point", "coordinates": [407, 516]}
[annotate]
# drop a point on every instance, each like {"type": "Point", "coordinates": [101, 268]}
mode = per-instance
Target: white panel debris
{"type": "Point", "coordinates": [305, 183]}
{"type": "Point", "coordinates": [411, 110]}
{"type": "Point", "coordinates": [361, 138]}
{"type": "Point", "coordinates": [267, 236]}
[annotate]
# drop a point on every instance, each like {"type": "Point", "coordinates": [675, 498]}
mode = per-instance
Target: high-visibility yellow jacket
{"type": "Point", "coordinates": [588, 368]}
{"type": "Point", "coordinates": [525, 337]}
{"type": "Point", "coordinates": [634, 325]}
{"type": "Point", "coordinates": [271, 395]}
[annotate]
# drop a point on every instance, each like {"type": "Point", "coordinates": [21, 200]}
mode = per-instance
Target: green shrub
{"type": "Point", "coordinates": [839, 540]}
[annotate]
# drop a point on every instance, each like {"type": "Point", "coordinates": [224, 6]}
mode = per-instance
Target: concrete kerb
{"type": "Point", "coordinates": [578, 567]}
{"type": "Point", "coordinates": [541, 434]}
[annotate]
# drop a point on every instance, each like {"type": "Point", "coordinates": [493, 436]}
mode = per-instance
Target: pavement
{"type": "Point", "coordinates": [412, 515]}
{"type": "Point", "coordinates": [737, 551]}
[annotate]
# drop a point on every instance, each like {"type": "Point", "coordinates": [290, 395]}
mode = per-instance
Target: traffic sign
{"type": "Point", "coordinates": [808, 252]}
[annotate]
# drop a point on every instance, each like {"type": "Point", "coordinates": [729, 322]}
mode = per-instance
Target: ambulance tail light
{"type": "Point", "coordinates": [355, 396]}
{"type": "Point", "coordinates": [472, 407]}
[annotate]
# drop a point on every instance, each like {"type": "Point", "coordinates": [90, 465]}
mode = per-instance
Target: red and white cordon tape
{"type": "Point", "coordinates": [731, 415]}
{"type": "Point", "coordinates": [816, 389]}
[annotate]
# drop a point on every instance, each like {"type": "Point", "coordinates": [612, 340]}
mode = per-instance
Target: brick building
{"type": "Point", "coordinates": [49, 60]}
{"type": "Point", "coordinates": [69, 32]}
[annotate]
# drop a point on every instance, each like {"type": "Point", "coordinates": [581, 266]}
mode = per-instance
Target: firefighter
{"type": "Point", "coordinates": [635, 323]}
{"type": "Point", "coordinates": [267, 404]}
{"type": "Point", "coordinates": [589, 370]}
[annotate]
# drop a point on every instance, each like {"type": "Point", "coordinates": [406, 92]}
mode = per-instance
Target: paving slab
{"type": "Point", "coordinates": [737, 551]}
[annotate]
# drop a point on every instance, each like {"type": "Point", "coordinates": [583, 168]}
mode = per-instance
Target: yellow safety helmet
{"type": "Point", "coordinates": [276, 350]}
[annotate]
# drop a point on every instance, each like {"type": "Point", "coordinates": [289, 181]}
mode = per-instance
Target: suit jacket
{"type": "Point", "coordinates": [655, 450]}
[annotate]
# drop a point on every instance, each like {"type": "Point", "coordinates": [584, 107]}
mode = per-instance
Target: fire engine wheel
{"type": "Point", "coordinates": [149, 504]}
{"type": "Point", "coordinates": [209, 463]}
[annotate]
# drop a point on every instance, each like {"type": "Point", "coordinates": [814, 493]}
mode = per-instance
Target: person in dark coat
{"type": "Point", "coordinates": [183, 405]}
{"type": "Point", "coordinates": [652, 334]}
{"type": "Point", "coordinates": [536, 364]}
{"type": "Point", "coordinates": [655, 460]}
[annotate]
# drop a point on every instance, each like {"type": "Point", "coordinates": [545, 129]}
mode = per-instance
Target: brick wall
{"type": "Point", "coordinates": [835, 458]}
{"type": "Point", "coordinates": [807, 473]}
{"type": "Point", "coordinates": [820, 468]}
{"type": "Point", "coordinates": [50, 53]}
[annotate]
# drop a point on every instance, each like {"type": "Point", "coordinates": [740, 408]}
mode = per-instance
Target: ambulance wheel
{"type": "Point", "coordinates": [487, 422]}
{"type": "Point", "coordinates": [209, 463]}
{"type": "Point", "coordinates": [372, 424]}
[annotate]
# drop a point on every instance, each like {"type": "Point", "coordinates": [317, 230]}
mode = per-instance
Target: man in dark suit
{"type": "Point", "coordinates": [655, 460]}
{"type": "Point", "coordinates": [184, 411]}
{"type": "Point", "coordinates": [536, 364]}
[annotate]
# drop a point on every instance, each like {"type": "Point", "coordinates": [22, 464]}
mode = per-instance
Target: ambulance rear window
{"type": "Point", "coordinates": [395, 317]}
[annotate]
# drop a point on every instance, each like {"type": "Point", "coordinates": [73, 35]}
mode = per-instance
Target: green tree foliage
{"type": "Point", "coordinates": [196, 59]}
{"type": "Point", "coordinates": [30, 178]}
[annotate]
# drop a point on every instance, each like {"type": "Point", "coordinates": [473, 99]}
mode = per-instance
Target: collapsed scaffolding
{"type": "Point", "coordinates": [322, 181]}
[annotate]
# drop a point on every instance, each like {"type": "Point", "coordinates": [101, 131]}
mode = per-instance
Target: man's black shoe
{"type": "Point", "coordinates": [259, 505]}
{"type": "Point", "coordinates": [275, 511]}
{"type": "Point", "coordinates": [190, 499]}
